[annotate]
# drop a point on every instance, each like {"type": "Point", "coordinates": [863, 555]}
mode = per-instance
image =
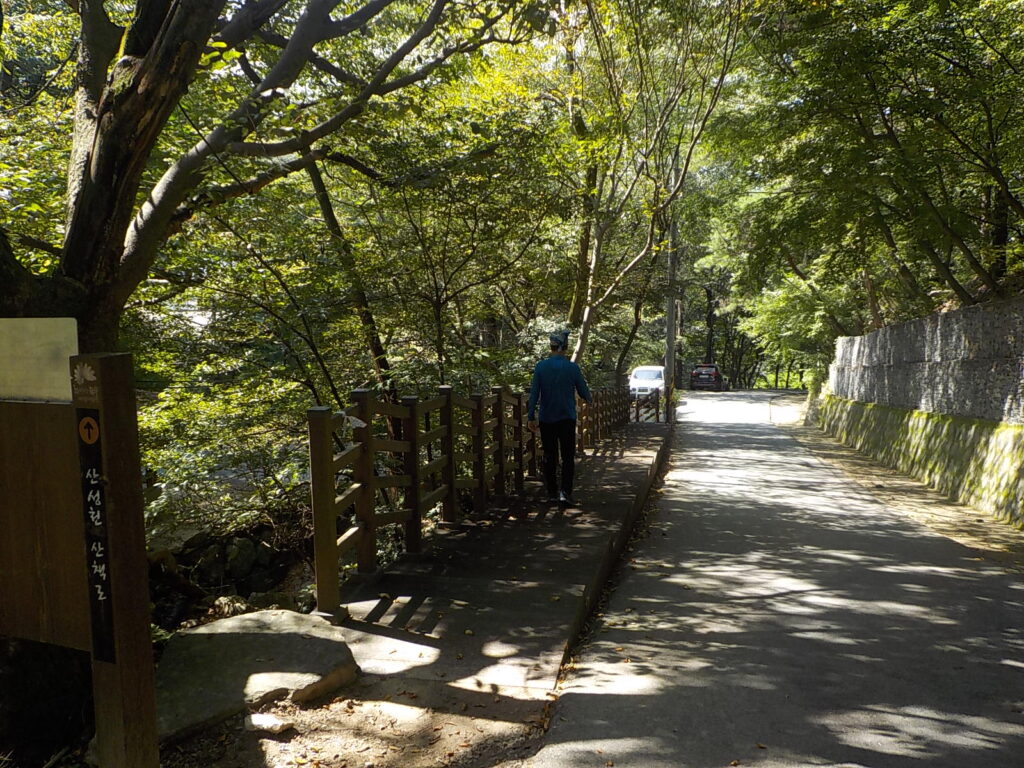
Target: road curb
{"type": "Point", "coordinates": [594, 586]}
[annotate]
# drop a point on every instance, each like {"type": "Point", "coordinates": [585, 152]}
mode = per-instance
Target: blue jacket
{"type": "Point", "coordinates": [556, 380]}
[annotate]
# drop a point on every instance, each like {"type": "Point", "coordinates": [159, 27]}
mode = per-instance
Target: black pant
{"type": "Point", "coordinates": [559, 436]}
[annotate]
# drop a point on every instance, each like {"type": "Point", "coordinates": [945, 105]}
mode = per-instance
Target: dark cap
{"type": "Point", "coordinates": [559, 339]}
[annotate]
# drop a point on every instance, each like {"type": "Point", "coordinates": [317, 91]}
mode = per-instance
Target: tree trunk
{"type": "Point", "coordinates": [972, 260]}
{"type": "Point", "coordinates": [371, 333]}
{"type": "Point", "coordinates": [118, 120]}
{"type": "Point", "coordinates": [582, 280]}
{"type": "Point", "coordinates": [589, 316]}
{"type": "Point", "coordinates": [620, 372]}
{"type": "Point", "coordinates": [876, 311]}
{"type": "Point", "coordinates": [437, 309]}
{"type": "Point", "coordinates": [906, 277]}
{"type": "Point", "coordinates": [999, 211]}
{"type": "Point", "coordinates": [944, 271]}
{"type": "Point", "coordinates": [709, 319]}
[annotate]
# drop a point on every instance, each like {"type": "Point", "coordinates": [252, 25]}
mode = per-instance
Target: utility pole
{"type": "Point", "coordinates": [670, 318]}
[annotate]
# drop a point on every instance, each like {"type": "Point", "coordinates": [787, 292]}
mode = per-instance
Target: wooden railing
{"type": "Point", "coordinates": [415, 455]}
{"type": "Point", "coordinates": [595, 422]}
{"type": "Point", "coordinates": [647, 407]}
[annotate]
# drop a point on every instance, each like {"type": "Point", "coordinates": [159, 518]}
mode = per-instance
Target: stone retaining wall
{"type": "Point", "coordinates": [941, 399]}
{"type": "Point", "coordinates": [974, 461]}
{"type": "Point", "coordinates": [964, 363]}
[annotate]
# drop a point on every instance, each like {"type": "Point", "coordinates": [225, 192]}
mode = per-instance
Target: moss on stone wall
{"type": "Point", "coordinates": [976, 462]}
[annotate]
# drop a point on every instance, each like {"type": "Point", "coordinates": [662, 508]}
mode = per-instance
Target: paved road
{"type": "Point", "coordinates": [778, 614]}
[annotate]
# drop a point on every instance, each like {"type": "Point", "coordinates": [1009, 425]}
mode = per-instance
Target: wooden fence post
{"type": "Point", "coordinates": [325, 534]}
{"type": "Point", "coordinates": [122, 666]}
{"type": "Point", "coordinates": [450, 503]}
{"type": "Point", "coordinates": [479, 460]}
{"type": "Point", "coordinates": [500, 459]}
{"type": "Point", "coordinates": [583, 428]}
{"type": "Point", "coordinates": [366, 501]}
{"type": "Point", "coordinates": [411, 433]}
{"type": "Point", "coordinates": [517, 439]}
{"type": "Point", "coordinates": [531, 440]}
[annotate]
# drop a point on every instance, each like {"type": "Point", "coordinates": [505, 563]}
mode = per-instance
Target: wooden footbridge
{"type": "Point", "coordinates": [380, 462]}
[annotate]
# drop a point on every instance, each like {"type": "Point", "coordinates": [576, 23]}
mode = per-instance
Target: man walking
{"type": "Point", "coordinates": [556, 380]}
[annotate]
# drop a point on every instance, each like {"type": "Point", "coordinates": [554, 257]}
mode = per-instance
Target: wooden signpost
{"type": "Point", "coordinates": [73, 567]}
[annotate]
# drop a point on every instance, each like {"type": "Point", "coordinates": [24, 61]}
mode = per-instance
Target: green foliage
{"type": "Point", "coordinates": [35, 122]}
{"type": "Point", "coordinates": [880, 144]}
{"type": "Point", "coordinates": [862, 164]}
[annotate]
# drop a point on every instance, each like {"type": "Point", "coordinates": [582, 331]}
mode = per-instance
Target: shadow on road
{"type": "Point", "coordinates": [779, 615]}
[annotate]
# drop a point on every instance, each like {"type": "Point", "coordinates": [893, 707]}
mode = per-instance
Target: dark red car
{"type": "Point", "coordinates": [708, 376]}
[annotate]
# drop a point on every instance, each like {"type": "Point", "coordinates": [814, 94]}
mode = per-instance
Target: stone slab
{"type": "Point", "coordinates": [214, 671]}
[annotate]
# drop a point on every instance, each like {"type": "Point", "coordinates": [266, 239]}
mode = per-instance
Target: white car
{"type": "Point", "coordinates": [645, 379]}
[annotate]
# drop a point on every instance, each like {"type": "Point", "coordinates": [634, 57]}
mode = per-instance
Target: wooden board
{"type": "Point", "coordinates": [43, 587]}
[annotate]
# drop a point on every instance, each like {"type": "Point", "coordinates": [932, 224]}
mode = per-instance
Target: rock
{"type": "Point", "coordinates": [241, 556]}
{"type": "Point", "coordinates": [196, 539]}
{"type": "Point", "coordinates": [209, 570]}
{"type": "Point", "coordinates": [264, 721]}
{"type": "Point", "coordinates": [226, 606]}
{"type": "Point", "coordinates": [306, 599]}
{"type": "Point", "coordinates": [214, 671]}
{"type": "Point", "coordinates": [178, 539]}
{"type": "Point", "coordinates": [273, 600]}
{"type": "Point", "coordinates": [265, 554]}
{"type": "Point", "coordinates": [264, 580]}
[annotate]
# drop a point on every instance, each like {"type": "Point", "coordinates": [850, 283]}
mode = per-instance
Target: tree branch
{"type": "Point", "coordinates": [318, 62]}
{"type": "Point", "coordinates": [216, 195]}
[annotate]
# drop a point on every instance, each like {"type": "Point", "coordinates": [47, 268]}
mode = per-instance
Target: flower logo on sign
{"type": "Point", "coordinates": [84, 374]}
